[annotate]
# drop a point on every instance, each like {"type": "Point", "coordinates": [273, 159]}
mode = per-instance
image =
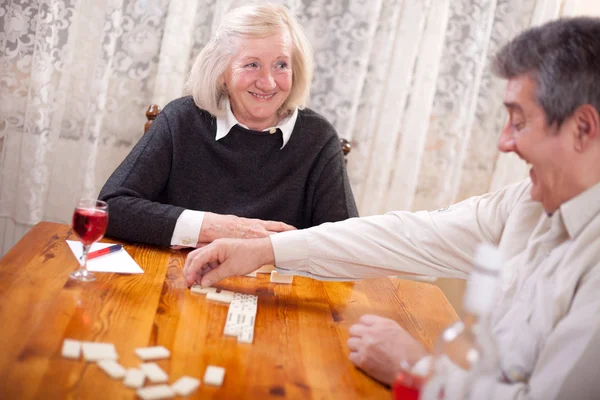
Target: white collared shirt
{"type": "Point", "coordinates": [546, 321]}
{"type": "Point", "coordinates": [224, 124]}
{"type": "Point", "coordinates": [189, 224]}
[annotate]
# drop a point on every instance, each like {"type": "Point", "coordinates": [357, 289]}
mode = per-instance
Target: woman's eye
{"type": "Point", "coordinates": [282, 65]}
{"type": "Point", "coordinates": [252, 65]}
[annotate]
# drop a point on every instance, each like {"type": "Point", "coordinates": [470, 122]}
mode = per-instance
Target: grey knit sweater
{"type": "Point", "coordinates": [178, 165]}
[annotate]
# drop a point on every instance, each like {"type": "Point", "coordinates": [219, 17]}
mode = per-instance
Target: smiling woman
{"type": "Point", "coordinates": [242, 157]}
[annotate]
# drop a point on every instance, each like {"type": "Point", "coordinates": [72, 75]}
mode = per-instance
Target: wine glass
{"type": "Point", "coordinates": [89, 223]}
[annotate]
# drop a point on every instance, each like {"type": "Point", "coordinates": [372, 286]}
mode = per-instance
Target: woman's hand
{"type": "Point", "coordinates": [216, 226]}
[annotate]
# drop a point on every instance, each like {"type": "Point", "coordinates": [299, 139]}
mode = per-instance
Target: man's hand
{"type": "Point", "coordinates": [381, 348]}
{"type": "Point", "coordinates": [217, 226]}
{"type": "Point", "coordinates": [226, 257]}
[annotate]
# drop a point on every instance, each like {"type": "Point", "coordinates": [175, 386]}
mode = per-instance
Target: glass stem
{"type": "Point", "coordinates": [84, 256]}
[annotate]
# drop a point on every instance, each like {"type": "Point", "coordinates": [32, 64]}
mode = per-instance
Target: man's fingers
{"type": "Point", "coordinates": [354, 358]}
{"type": "Point", "coordinates": [370, 319]}
{"type": "Point", "coordinates": [353, 344]}
{"type": "Point", "coordinates": [216, 275]}
{"type": "Point", "coordinates": [357, 330]}
{"type": "Point", "coordinates": [197, 259]}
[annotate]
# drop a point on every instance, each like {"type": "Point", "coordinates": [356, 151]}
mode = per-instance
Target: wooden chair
{"type": "Point", "coordinates": [154, 109]}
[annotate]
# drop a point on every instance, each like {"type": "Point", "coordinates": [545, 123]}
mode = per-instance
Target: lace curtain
{"type": "Point", "coordinates": [406, 81]}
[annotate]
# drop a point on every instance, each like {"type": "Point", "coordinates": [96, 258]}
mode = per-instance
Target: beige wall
{"type": "Point", "coordinates": [588, 7]}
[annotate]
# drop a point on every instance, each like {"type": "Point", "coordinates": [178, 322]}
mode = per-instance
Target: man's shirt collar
{"type": "Point", "coordinates": [224, 124]}
{"type": "Point", "coordinates": [580, 210]}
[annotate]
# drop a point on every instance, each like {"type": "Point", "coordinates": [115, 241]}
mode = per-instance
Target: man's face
{"type": "Point", "coordinates": [548, 149]}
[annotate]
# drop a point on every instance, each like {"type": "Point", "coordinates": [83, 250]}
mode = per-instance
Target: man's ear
{"type": "Point", "coordinates": [587, 124]}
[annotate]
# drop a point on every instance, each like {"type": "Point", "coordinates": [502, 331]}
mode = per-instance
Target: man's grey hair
{"type": "Point", "coordinates": [206, 82]}
{"type": "Point", "coordinates": [563, 58]}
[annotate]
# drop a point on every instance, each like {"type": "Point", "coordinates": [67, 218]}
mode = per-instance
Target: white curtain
{"type": "Point", "coordinates": [406, 81]}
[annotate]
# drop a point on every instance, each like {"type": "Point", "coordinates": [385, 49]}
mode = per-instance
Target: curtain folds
{"type": "Point", "coordinates": [407, 82]}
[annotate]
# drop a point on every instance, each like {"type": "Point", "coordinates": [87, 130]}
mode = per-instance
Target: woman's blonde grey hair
{"type": "Point", "coordinates": [205, 82]}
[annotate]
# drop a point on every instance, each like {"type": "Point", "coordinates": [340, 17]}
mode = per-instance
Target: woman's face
{"type": "Point", "coordinates": [259, 79]}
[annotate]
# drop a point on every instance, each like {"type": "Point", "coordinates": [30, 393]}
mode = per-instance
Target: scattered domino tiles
{"type": "Point", "coordinates": [152, 353]}
{"type": "Point", "coordinates": [154, 373]}
{"type": "Point", "coordinates": [156, 392]}
{"type": "Point", "coordinates": [276, 277]}
{"type": "Point", "coordinates": [185, 386]}
{"type": "Point", "coordinates": [71, 349]}
{"type": "Point", "coordinates": [214, 375]}
{"type": "Point", "coordinates": [134, 378]}
{"type": "Point", "coordinates": [98, 351]}
{"type": "Point", "coordinates": [112, 368]}
{"type": "Point", "coordinates": [105, 355]}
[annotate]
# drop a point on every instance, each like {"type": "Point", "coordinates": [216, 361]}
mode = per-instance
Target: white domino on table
{"type": "Point", "coordinates": [71, 349]}
{"type": "Point", "coordinates": [220, 297]}
{"type": "Point", "coordinates": [134, 378]}
{"type": "Point", "coordinates": [214, 375]}
{"type": "Point", "coordinates": [276, 277]}
{"type": "Point", "coordinates": [112, 368]}
{"type": "Point", "coordinates": [203, 290]}
{"type": "Point", "coordinates": [154, 373]}
{"type": "Point", "coordinates": [185, 385]}
{"type": "Point", "coordinates": [156, 392]}
{"type": "Point", "coordinates": [246, 335]}
{"type": "Point", "coordinates": [99, 351]}
{"type": "Point", "coordinates": [241, 317]}
{"type": "Point", "coordinates": [252, 274]}
{"type": "Point", "coordinates": [265, 269]}
{"type": "Point", "coordinates": [152, 353]}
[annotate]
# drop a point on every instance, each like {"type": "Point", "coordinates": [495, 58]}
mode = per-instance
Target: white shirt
{"type": "Point", "coordinates": [189, 224]}
{"type": "Point", "coordinates": [547, 319]}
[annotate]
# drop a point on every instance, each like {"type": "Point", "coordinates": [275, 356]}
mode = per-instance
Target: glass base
{"type": "Point", "coordinates": [83, 275]}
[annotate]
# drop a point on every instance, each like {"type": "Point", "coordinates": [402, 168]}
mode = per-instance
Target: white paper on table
{"type": "Point", "coordinates": [119, 261]}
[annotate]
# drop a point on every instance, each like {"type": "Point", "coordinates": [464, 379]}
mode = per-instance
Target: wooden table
{"type": "Point", "coordinates": [299, 348]}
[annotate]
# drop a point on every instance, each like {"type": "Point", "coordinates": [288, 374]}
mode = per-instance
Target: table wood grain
{"type": "Point", "coordinates": [299, 349]}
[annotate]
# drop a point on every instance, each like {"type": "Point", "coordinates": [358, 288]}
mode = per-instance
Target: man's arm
{"type": "Point", "coordinates": [439, 243]}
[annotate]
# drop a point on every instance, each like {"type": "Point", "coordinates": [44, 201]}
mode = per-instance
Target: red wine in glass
{"type": "Point", "coordinates": [89, 224]}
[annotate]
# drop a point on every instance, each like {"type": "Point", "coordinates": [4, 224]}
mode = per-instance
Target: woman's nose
{"type": "Point", "coordinates": [265, 81]}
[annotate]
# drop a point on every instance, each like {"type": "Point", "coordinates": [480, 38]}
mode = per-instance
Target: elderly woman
{"type": "Point", "coordinates": [241, 157]}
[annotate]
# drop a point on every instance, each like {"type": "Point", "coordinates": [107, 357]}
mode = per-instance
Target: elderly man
{"type": "Point", "coordinates": [547, 318]}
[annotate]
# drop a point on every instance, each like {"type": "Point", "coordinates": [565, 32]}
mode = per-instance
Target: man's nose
{"type": "Point", "coordinates": [506, 141]}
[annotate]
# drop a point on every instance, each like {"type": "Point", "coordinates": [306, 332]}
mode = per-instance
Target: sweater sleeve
{"type": "Point", "coordinates": [133, 191]}
{"type": "Point", "coordinates": [333, 199]}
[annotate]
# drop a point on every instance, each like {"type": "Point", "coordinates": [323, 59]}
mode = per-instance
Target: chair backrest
{"type": "Point", "coordinates": [154, 109]}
